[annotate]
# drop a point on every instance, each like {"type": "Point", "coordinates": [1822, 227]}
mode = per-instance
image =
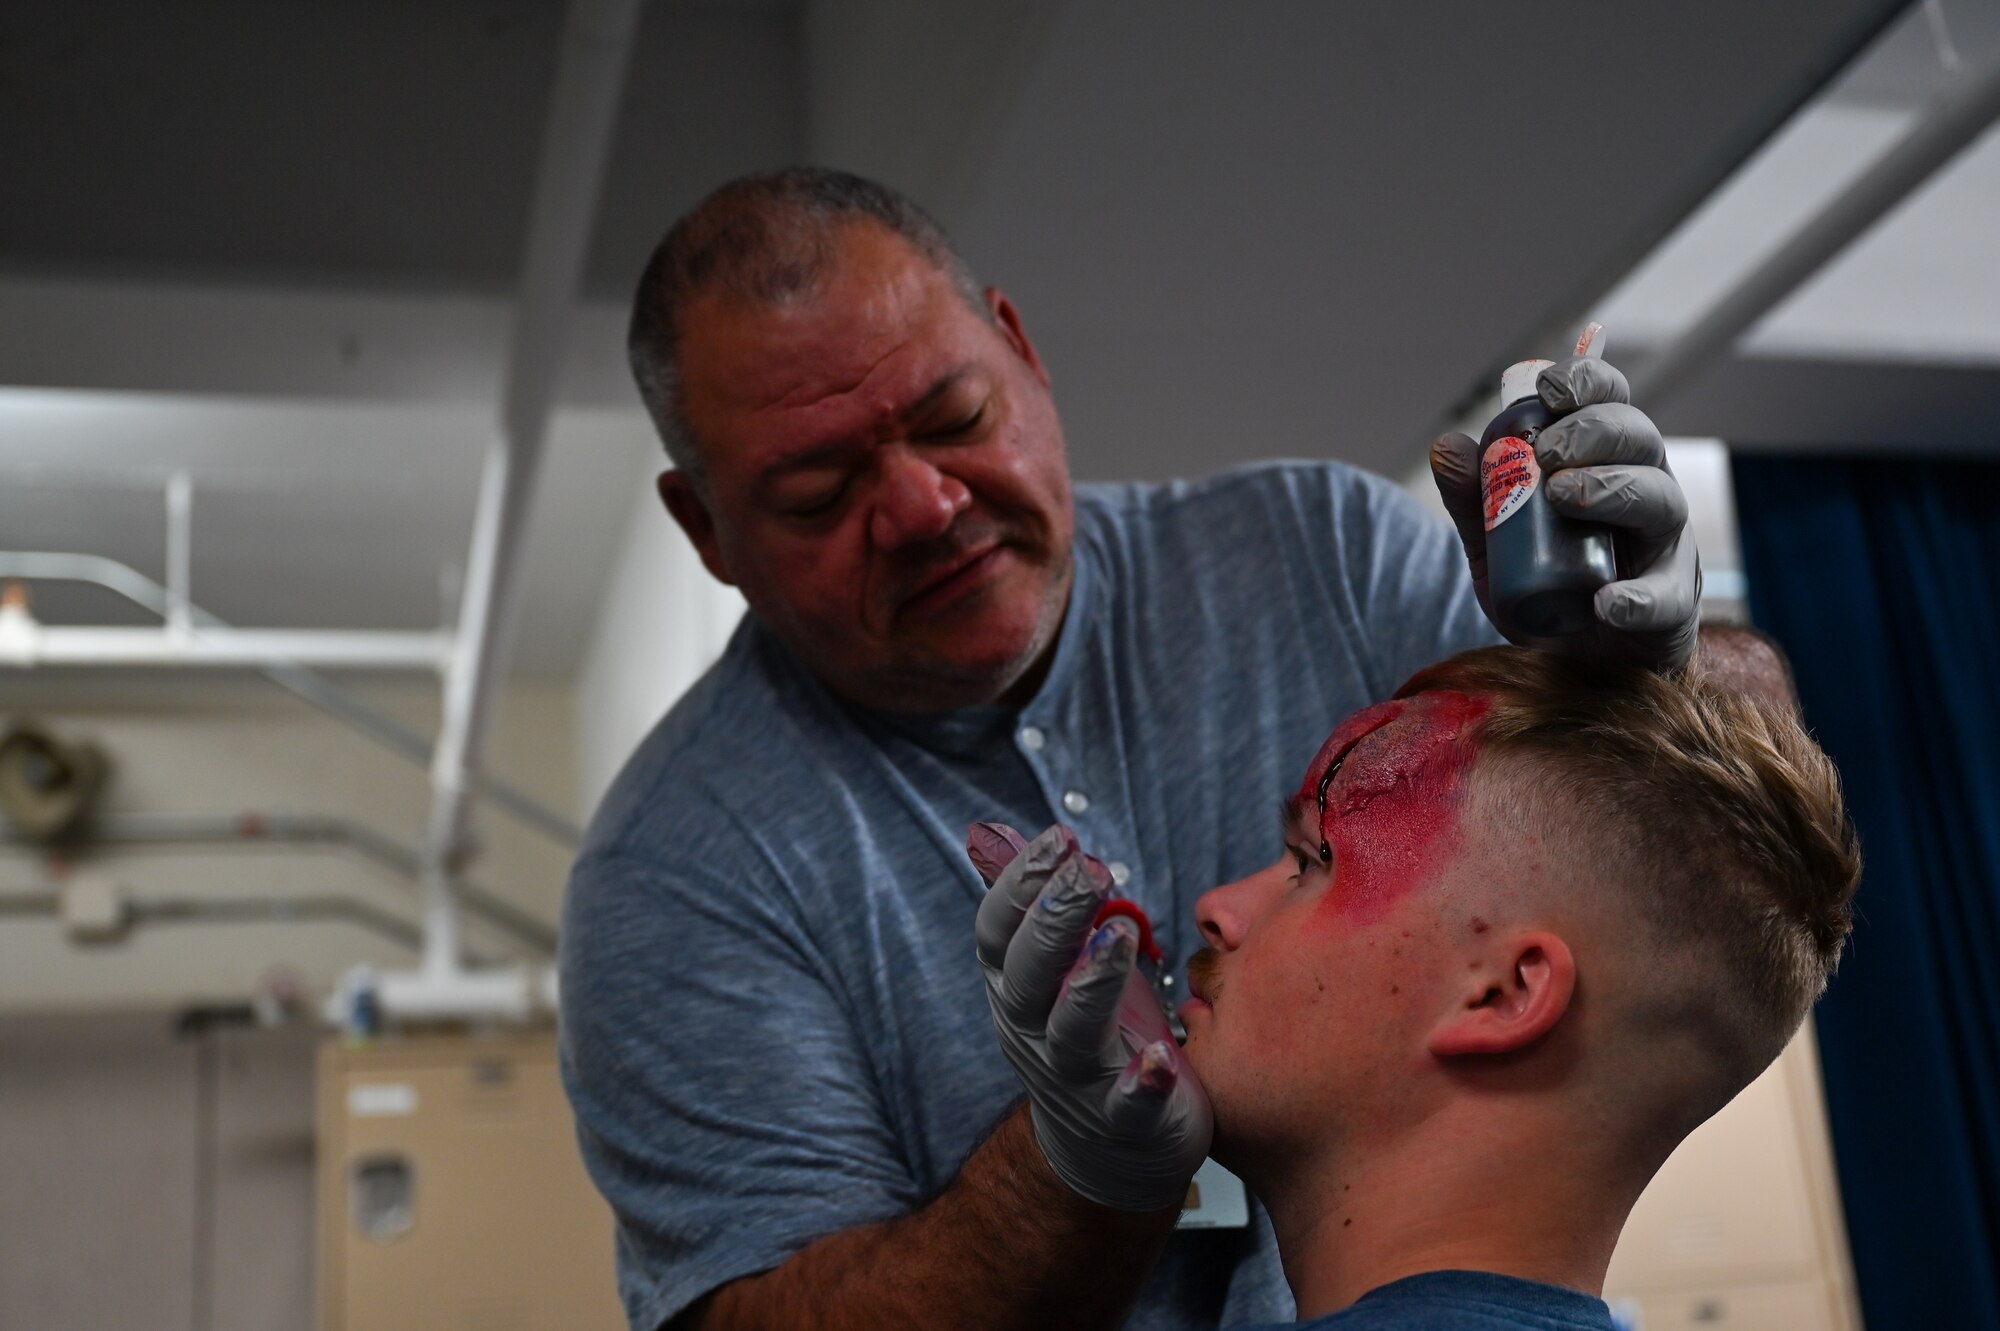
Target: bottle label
{"type": "Point", "coordinates": [1508, 475]}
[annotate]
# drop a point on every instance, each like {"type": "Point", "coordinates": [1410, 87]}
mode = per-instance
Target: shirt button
{"type": "Point", "coordinates": [1032, 738]}
{"type": "Point", "coordinates": [1121, 872]}
{"type": "Point", "coordinates": [1075, 801]}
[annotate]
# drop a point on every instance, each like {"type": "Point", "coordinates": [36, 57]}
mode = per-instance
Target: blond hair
{"type": "Point", "coordinates": [1713, 802]}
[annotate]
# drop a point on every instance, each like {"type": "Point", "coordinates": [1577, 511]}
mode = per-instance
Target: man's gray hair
{"type": "Point", "coordinates": [768, 238]}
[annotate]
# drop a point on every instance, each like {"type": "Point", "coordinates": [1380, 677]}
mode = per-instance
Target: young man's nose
{"type": "Point", "coordinates": [1225, 913]}
{"type": "Point", "coordinates": [914, 501]}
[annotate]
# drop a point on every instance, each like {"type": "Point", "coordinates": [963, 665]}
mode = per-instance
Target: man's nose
{"type": "Point", "coordinates": [914, 501]}
{"type": "Point", "coordinates": [1224, 913]}
{"type": "Point", "coordinates": [1221, 916]}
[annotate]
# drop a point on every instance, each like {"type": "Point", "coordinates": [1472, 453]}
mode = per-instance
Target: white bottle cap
{"type": "Point", "coordinates": [1518, 380]}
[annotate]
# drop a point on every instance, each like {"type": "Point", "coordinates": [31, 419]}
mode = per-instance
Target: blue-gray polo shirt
{"type": "Point", "coordinates": [773, 1027]}
{"type": "Point", "coordinates": [1465, 1301]}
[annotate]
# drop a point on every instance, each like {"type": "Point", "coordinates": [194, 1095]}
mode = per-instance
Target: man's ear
{"type": "Point", "coordinates": [1510, 1008]}
{"type": "Point", "coordinates": [1008, 320]}
{"type": "Point", "coordinates": [684, 501]}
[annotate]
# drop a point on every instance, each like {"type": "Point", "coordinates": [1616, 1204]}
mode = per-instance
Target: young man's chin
{"type": "Point", "coordinates": [1231, 1154]}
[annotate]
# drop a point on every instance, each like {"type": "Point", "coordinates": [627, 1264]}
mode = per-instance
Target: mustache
{"type": "Point", "coordinates": [1205, 974]}
{"type": "Point", "coordinates": [917, 567]}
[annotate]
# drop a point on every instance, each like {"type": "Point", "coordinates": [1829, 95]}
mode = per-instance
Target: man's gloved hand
{"type": "Point", "coordinates": [1119, 1115]}
{"type": "Point", "coordinates": [1604, 461]}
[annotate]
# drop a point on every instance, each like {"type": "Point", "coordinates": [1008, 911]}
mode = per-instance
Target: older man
{"type": "Point", "coordinates": [1532, 922]}
{"type": "Point", "coordinates": [782, 1079]}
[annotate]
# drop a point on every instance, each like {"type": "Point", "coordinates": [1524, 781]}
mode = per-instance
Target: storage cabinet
{"type": "Point", "coordinates": [1798, 1305]}
{"type": "Point", "coordinates": [451, 1193]}
{"type": "Point", "coordinates": [1741, 1228]}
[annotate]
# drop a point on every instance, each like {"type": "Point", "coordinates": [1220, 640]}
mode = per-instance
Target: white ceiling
{"type": "Point", "coordinates": [352, 516]}
{"type": "Point", "coordinates": [1920, 286]}
{"type": "Point", "coordinates": [372, 143]}
{"type": "Point", "coordinates": [1309, 230]}
{"type": "Point", "coordinates": [274, 247]}
{"type": "Point", "coordinates": [1895, 344]}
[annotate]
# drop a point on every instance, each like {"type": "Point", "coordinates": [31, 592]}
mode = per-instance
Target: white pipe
{"type": "Point", "coordinates": [582, 116]}
{"type": "Point", "coordinates": [510, 994]}
{"type": "Point", "coordinates": [258, 828]}
{"type": "Point", "coordinates": [322, 693]}
{"type": "Point", "coordinates": [346, 649]}
{"type": "Point", "coordinates": [232, 910]}
{"type": "Point", "coordinates": [362, 999]}
{"type": "Point", "coordinates": [180, 547]}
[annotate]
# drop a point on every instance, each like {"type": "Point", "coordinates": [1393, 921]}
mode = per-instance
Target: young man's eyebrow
{"type": "Point", "coordinates": [1291, 815]}
{"type": "Point", "coordinates": [1295, 809]}
{"type": "Point", "coordinates": [1333, 769]}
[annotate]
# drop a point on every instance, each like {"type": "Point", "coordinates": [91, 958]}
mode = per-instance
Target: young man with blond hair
{"type": "Point", "coordinates": [1534, 921]}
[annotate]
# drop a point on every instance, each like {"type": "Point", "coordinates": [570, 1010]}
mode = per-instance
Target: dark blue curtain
{"type": "Point", "coordinates": [1882, 581]}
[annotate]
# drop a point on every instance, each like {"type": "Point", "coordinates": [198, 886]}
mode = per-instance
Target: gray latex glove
{"type": "Point", "coordinates": [1604, 461]}
{"type": "Point", "coordinates": [1117, 1112]}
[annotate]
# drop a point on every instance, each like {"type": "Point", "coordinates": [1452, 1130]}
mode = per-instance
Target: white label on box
{"type": "Point", "coordinates": [387, 1099]}
{"type": "Point", "coordinates": [1216, 1200]}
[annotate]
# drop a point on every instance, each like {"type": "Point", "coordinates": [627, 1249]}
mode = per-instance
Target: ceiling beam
{"type": "Point", "coordinates": [1772, 403]}
{"type": "Point", "coordinates": [1961, 114]}
{"type": "Point", "coordinates": [167, 337]}
{"type": "Point", "coordinates": [914, 94]}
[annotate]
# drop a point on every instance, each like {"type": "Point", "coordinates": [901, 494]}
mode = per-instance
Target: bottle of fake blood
{"type": "Point", "coordinates": [1542, 568]}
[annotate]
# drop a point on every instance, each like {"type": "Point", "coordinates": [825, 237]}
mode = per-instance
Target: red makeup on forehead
{"type": "Point", "coordinates": [1391, 815]}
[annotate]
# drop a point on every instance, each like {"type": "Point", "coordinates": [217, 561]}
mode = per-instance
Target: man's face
{"type": "Point", "coordinates": [886, 478]}
{"type": "Point", "coordinates": [1323, 971]}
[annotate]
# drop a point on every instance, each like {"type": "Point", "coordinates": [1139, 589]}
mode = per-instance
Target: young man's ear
{"type": "Point", "coordinates": [1008, 320]}
{"type": "Point", "coordinates": [684, 501]}
{"type": "Point", "coordinates": [1510, 1005]}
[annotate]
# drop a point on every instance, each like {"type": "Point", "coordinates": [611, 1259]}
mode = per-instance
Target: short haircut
{"type": "Point", "coordinates": [767, 238]}
{"type": "Point", "coordinates": [1713, 805]}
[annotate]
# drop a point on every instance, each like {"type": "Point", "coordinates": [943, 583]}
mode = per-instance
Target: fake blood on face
{"type": "Point", "coordinates": [1386, 789]}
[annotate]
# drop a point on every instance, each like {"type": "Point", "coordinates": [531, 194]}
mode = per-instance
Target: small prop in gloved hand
{"type": "Point", "coordinates": [992, 846]}
{"type": "Point", "coordinates": [1542, 569]}
{"type": "Point", "coordinates": [1118, 1114]}
{"type": "Point", "coordinates": [1573, 457]}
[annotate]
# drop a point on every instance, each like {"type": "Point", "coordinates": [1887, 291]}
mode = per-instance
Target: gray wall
{"type": "Point", "coordinates": [154, 1180]}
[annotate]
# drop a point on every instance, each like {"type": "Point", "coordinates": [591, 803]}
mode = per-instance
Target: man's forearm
{"type": "Point", "coordinates": [1007, 1245]}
